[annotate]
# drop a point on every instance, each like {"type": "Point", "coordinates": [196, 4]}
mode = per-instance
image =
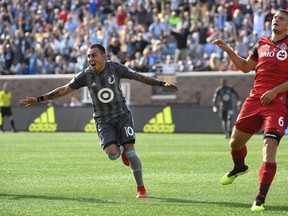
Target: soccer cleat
{"type": "Point", "coordinates": [258, 204]}
{"type": "Point", "coordinates": [141, 192]}
{"type": "Point", "coordinates": [231, 176]}
{"type": "Point", "coordinates": [123, 156]}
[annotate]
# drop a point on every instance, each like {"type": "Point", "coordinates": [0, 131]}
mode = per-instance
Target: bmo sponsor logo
{"type": "Point", "coordinates": [267, 54]}
{"type": "Point", "coordinates": [281, 55]}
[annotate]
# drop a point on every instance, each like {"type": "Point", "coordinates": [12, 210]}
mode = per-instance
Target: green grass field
{"type": "Point", "coordinates": [68, 174]}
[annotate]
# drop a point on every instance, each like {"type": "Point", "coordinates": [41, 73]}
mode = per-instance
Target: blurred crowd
{"type": "Point", "coordinates": [52, 36]}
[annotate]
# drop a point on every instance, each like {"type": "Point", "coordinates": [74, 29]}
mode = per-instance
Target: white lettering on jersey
{"type": "Point", "coordinates": [267, 54]}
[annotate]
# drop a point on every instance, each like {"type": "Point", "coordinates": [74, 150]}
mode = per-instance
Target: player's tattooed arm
{"type": "Point", "coordinates": [155, 82]}
{"type": "Point", "coordinates": [147, 80]}
{"type": "Point", "coordinates": [58, 92]}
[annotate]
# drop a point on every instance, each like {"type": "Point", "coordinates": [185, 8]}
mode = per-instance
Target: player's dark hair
{"type": "Point", "coordinates": [98, 46]}
{"type": "Point", "coordinates": [283, 11]}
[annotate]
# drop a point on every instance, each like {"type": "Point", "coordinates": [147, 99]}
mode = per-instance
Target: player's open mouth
{"type": "Point", "coordinates": [92, 64]}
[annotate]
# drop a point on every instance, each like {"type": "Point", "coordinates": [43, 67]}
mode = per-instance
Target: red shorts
{"type": "Point", "coordinates": [253, 116]}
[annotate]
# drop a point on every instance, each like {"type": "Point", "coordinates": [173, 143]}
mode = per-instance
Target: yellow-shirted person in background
{"type": "Point", "coordinates": [5, 107]}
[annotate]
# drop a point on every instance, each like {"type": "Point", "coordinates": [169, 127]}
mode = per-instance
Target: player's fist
{"type": "Point", "coordinates": [29, 101]}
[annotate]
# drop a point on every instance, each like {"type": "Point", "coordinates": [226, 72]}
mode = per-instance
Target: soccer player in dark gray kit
{"type": "Point", "coordinates": [225, 94]}
{"type": "Point", "coordinates": [114, 121]}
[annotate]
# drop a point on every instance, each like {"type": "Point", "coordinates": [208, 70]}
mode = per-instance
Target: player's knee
{"type": "Point", "coordinates": [135, 163]}
{"type": "Point", "coordinates": [113, 152]}
{"type": "Point", "coordinates": [234, 145]}
{"type": "Point", "coordinates": [114, 156]}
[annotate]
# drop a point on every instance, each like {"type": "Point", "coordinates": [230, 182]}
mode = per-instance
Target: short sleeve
{"type": "Point", "coordinates": [78, 81]}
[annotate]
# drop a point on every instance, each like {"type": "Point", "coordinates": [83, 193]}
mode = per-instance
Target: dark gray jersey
{"type": "Point", "coordinates": [105, 89]}
{"type": "Point", "coordinates": [225, 93]}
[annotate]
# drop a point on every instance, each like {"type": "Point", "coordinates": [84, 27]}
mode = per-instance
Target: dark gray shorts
{"type": "Point", "coordinates": [119, 130]}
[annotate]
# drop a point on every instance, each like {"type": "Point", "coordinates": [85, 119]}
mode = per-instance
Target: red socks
{"type": "Point", "coordinates": [266, 173]}
{"type": "Point", "coordinates": [239, 157]}
{"type": "Point", "coordinates": [266, 176]}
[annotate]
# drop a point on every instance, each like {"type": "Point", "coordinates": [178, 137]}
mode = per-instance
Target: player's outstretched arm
{"type": "Point", "coordinates": [56, 93]}
{"type": "Point", "coordinates": [245, 65]}
{"type": "Point", "coordinates": [155, 82]}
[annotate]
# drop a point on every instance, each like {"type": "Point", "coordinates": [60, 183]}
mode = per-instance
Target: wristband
{"type": "Point", "coordinates": [162, 83]}
{"type": "Point", "coordinates": [41, 98]}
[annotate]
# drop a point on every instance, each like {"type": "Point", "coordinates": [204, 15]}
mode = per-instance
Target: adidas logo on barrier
{"type": "Point", "coordinates": [162, 123]}
{"type": "Point", "coordinates": [90, 127]}
{"type": "Point", "coordinates": [44, 123]}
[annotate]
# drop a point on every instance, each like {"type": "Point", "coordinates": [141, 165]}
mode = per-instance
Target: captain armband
{"type": "Point", "coordinates": [162, 83]}
{"type": "Point", "coordinates": [40, 99]}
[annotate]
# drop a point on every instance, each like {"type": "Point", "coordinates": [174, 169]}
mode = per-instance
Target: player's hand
{"type": "Point", "coordinates": [29, 101]}
{"type": "Point", "coordinates": [221, 44]}
{"type": "Point", "coordinates": [214, 108]}
{"type": "Point", "coordinates": [171, 86]}
{"type": "Point", "coordinates": [267, 97]}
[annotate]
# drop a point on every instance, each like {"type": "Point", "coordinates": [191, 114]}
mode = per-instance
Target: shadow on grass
{"type": "Point", "coordinates": [225, 204]}
{"type": "Point", "coordinates": [88, 200]}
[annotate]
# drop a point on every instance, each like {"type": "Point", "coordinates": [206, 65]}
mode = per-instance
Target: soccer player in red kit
{"type": "Point", "coordinates": [265, 106]}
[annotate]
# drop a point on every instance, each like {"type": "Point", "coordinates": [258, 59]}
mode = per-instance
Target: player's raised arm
{"type": "Point", "coordinates": [56, 93]}
{"type": "Point", "coordinates": [245, 65]}
{"type": "Point", "coordinates": [155, 82]}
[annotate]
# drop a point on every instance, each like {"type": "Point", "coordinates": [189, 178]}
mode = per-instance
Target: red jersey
{"type": "Point", "coordinates": [271, 68]}
{"type": "Point", "coordinates": [120, 18]}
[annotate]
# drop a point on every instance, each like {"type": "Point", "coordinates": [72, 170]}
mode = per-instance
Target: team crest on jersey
{"type": "Point", "coordinates": [111, 79]}
{"type": "Point", "coordinates": [283, 46]}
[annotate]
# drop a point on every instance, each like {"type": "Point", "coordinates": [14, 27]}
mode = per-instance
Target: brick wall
{"type": "Point", "coordinates": [141, 95]}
